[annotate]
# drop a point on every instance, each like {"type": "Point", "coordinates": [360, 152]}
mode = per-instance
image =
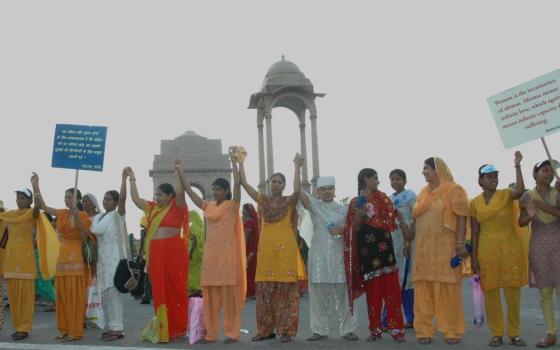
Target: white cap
{"type": "Point", "coordinates": [324, 181]}
{"type": "Point", "coordinates": [26, 192]}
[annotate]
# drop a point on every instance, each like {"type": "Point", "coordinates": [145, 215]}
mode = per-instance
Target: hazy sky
{"type": "Point", "coordinates": [404, 80]}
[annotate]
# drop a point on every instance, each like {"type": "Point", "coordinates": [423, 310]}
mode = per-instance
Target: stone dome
{"type": "Point", "coordinates": [285, 73]}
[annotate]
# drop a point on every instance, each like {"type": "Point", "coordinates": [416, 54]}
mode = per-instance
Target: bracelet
{"type": "Point", "coordinates": [517, 166]}
{"type": "Point", "coordinates": [37, 193]}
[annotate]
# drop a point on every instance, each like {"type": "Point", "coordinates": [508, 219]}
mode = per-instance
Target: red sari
{"type": "Point", "coordinates": [251, 227]}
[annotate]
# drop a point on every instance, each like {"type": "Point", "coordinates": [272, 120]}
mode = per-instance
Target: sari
{"type": "Point", "coordinates": [251, 228]}
{"type": "Point", "coordinates": [167, 261]}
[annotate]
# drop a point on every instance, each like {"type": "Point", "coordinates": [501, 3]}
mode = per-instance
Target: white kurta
{"type": "Point", "coordinates": [326, 255]}
{"type": "Point", "coordinates": [110, 231]}
{"type": "Point", "coordinates": [327, 279]}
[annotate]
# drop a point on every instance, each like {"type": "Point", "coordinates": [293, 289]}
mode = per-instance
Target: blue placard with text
{"type": "Point", "coordinates": [79, 147]}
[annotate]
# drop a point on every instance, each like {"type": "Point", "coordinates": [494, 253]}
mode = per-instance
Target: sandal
{"type": "Point", "coordinates": [350, 336]}
{"type": "Point", "coordinates": [259, 337]}
{"type": "Point", "coordinates": [113, 336]}
{"type": "Point", "coordinates": [424, 341]}
{"type": "Point", "coordinates": [546, 342]}
{"type": "Point", "coordinates": [19, 335]}
{"type": "Point", "coordinates": [517, 341]}
{"type": "Point", "coordinates": [285, 339]}
{"type": "Point", "coordinates": [452, 341]}
{"type": "Point", "coordinates": [399, 339]}
{"type": "Point", "coordinates": [69, 339]}
{"type": "Point", "coordinates": [409, 325]}
{"type": "Point", "coordinates": [496, 341]}
{"type": "Point", "coordinates": [373, 338]}
{"type": "Point", "coordinates": [61, 336]}
{"type": "Point", "coordinates": [230, 341]}
{"type": "Point", "coordinates": [316, 337]}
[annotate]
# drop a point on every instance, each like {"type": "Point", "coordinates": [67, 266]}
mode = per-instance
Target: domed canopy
{"type": "Point", "coordinates": [285, 73]}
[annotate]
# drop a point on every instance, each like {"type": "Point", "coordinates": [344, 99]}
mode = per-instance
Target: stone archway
{"type": "Point", "coordinates": [203, 158]}
{"type": "Point", "coordinates": [286, 86]}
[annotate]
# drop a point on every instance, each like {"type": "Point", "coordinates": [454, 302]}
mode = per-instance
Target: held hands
{"type": "Point", "coordinates": [179, 167]}
{"type": "Point", "coordinates": [34, 178]}
{"type": "Point", "coordinates": [335, 230]}
{"type": "Point", "coordinates": [232, 154]}
{"type": "Point", "coordinates": [475, 266]}
{"type": "Point", "coordinates": [406, 249]}
{"type": "Point", "coordinates": [130, 173]}
{"type": "Point", "coordinates": [298, 160]}
{"type": "Point", "coordinates": [517, 157]}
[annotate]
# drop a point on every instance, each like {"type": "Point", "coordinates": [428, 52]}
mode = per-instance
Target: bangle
{"type": "Point", "coordinates": [37, 193]}
{"type": "Point", "coordinates": [517, 166]}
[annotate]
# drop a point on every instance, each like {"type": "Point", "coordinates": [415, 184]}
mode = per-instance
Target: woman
{"type": "Point", "coordinates": [499, 256]}
{"type": "Point", "coordinates": [90, 205]}
{"type": "Point", "coordinates": [541, 208]}
{"type": "Point", "coordinates": [370, 258]}
{"type": "Point", "coordinates": [110, 230]}
{"type": "Point", "coordinates": [279, 263]}
{"type": "Point", "coordinates": [223, 264]}
{"type": "Point", "coordinates": [196, 251]}
{"type": "Point", "coordinates": [251, 227]}
{"type": "Point", "coordinates": [72, 225]}
{"type": "Point", "coordinates": [440, 221]}
{"type": "Point", "coordinates": [167, 259]}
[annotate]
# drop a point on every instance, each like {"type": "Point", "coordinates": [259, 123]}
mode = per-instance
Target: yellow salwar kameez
{"type": "Point", "coordinates": [503, 258]}
{"type": "Point", "coordinates": [437, 286]}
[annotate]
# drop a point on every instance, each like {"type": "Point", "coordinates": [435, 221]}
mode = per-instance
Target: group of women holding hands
{"type": "Point", "coordinates": [396, 249]}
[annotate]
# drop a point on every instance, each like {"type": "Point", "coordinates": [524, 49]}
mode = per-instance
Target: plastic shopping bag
{"type": "Point", "coordinates": [478, 301]}
{"type": "Point", "coordinates": [94, 310]}
{"type": "Point", "coordinates": [197, 330]}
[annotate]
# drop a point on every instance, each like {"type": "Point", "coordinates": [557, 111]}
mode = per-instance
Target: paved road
{"type": "Point", "coordinates": [136, 316]}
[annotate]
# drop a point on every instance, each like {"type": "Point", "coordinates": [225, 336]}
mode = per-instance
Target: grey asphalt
{"type": "Point", "coordinates": [136, 316]}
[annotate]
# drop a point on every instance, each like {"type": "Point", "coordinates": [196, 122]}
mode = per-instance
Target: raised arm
{"type": "Point", "coordinates": [298, 163]}
{"type": "Point", "coordinates": [179, 187]}
{"type": "Point", "coordinates": [519, 189]}
{"type": "Point", "coordinates": [39, 201]}
{"type": "Point", "coordinates": [254, 194]}
{"type": "Point", "coordinates": [122, 195]}
{"type": "Point", "coordinates": [236, 176]}
{"type": "Point", "coordinates": [185, 184]}
{"type": "Point", "coordinates": [304, 198]}
{"type": "Point", "coordinates": [139, 202]}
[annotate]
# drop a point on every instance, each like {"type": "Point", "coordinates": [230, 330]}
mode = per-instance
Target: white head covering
{"type": "Point", "coordinates": [324, 181]}
{"type": "Point", "coordinates": [93, 199]}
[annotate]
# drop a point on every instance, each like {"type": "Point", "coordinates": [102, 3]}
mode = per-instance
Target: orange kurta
{"type": "Point", "coordinates": [70, 280]}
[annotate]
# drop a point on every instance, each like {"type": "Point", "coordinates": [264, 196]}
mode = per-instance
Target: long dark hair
{"type": "Point", "coordinates": [224, 185]}
{"type": "Point", "coordinates": [366, 172]}
{"type": "Point", "coordinates": [78, 197]}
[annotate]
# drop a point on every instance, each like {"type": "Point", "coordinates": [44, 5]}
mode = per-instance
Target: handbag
{"type": "Point", "coordinates": [89, 251]}
{"type": "Point", "coordinates": [127, 274]}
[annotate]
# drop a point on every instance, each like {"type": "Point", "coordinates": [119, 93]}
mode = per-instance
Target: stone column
{"type": "Point", "coordinates": [315, 150]}
{"type": "Point", "coordinates": [262, 175]}
{"type": "Point", "coordinates": [303, 147]}
{"type": "Point", "coordinates": [269, 152]}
